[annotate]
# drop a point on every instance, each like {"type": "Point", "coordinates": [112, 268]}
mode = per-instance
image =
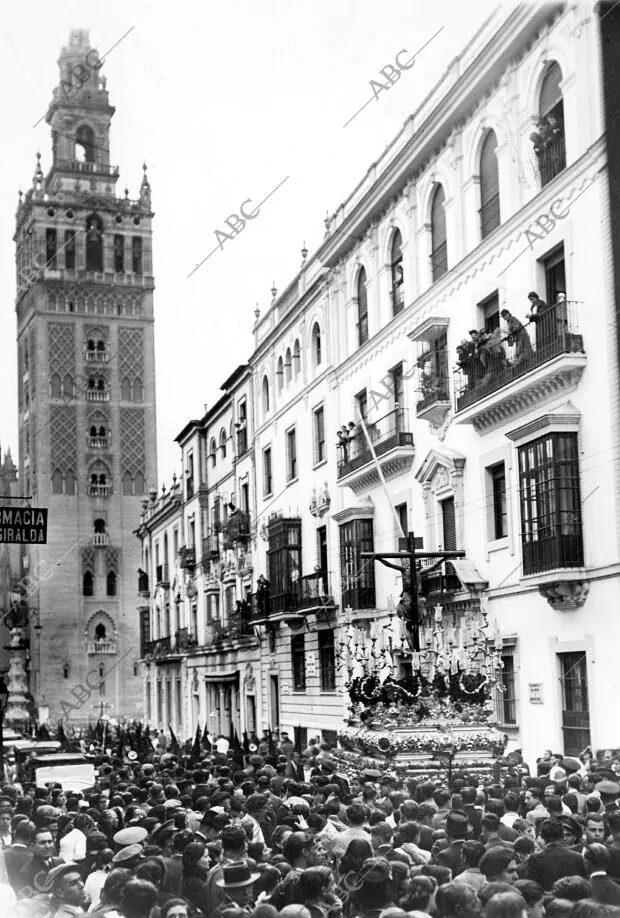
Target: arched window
{"type": "Point", "coordinates": [316, 344]}
{"type": "Point", "coordinates": [94, 243]}
{"type": "Point", "coordinates": [137, 390]}
{"type": "Point", "coordinates": [362, 308]}
{"type": "Point", "coordinates": [296, 358]}
{"type": "Point", "coordinates": [110, 584]}
{"type": "Point", "coordinates": [57, 482]}
{"type": "Point", "coordinates": [85, 144]}
{"type": "Point", "coordinates": [396, 266]}
{"type": "Point", "coordinates": [100, 632]}
{"type": "Point", "coordinates": [93, 431]}
{"type": "Point", "coordinates": [223, 442]}
{"type": "Point", "coordinates": [102, 432]}
{"type": "Point", "coordinates": [280, 374]}
{"type": "Point", "coordinates": [212, 451]}
{"type": "Point", "coordinates": [126, 389]}
{"type": "Point", "coordinates": [127, 484]}
{"type": "Point", "coordinates": [92, 383]}
{"type": "Point", "coordinates": [439, 244]}
{"type": "Point", "coordinates": [489, 186]}
{"type": "Point", "coordinates": [67, 386]}
{"type": "Point", "coordinates": [90, 345]}
{"type": "Point", "coordinates": [103, 479]}
{"type": "Point", "coordinates": [66, 670]}
{"type": "Point", "coordinates": [99, 525]}
{"type": "Point", "coordinates": [265, 395]}
{"type": "Point", "coordinates": [549, 143]}
{"type": "Point", "coordinates": [69, 482]}
{"type": "Point", "coordinates": [55, 386]}
{"type": "Point", "coordinates": [101, 384]}
{"type": "Point", "coordinates": [138, 484]}
{"type": "Point", "coordinates": [101, 346]}
{"type": "Point", "coordinates": [288, 366]}
{"type": "Point", "coordinates": [88, 583]}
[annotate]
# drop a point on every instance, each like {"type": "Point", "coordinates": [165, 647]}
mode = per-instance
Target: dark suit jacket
{"type": "Point", "coordinates": [15, 857]}
{"type": "Point", "coordinates": [614, 862]}
{"type": "Point", "coordinates": [554, 862]}
{"type": "Point", "coordinates": [605, 891]}
{"type": "Point", "coordinates": [474, 814]}
{"type": "Point", "coordinates": [451, 857]}
{"type": "Point", "coordinates": [34, 871]}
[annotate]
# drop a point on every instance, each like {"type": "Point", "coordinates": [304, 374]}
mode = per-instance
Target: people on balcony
{"type": "Point", "coordinates": [517, 335]}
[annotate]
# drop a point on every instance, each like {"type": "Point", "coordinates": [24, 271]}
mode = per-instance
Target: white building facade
{"type": "Point", "coordinates": [506, 450]}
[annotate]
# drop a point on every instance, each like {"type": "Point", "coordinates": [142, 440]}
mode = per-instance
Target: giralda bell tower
{"type": "Point", "coordinates": [87, 445]}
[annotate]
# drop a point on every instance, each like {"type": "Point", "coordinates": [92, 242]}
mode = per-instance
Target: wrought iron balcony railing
{"type": "Point", "coordinates": [385, 434]}
{"type": "Point", "coordinates": [552, 332]}
{"type": "Point", "coordinates": [100, 355]}
{"type": "Point", "coordinates": [187, 556]}
{"type": "Point", "coordinates": [99, 539]}
{"type": "Point", "coordinates": [99, 490]}
{"type": "Point", "coordinates": [143, 582]}
{"type": "Point", "coordinates": [104, 647]}
{"type": "Point", "coordinates": [432, 390]}
{"type": "Point", "coordinates": [161, 575]}
{"type": "Point", "coordinates": [260, 606]}
{"type": "Point", "coordinates": [210, 547]}
{"type": "Point", "coordinates": [552, 158]}
{"type": "Point", "coordinates": [98, 442]}
{"type": "Point", "coordinates": [438, 577]}
{"type": "Point", "coordinates": [97, 395]}
{"type": "Point", "coordinates": [314, 590]}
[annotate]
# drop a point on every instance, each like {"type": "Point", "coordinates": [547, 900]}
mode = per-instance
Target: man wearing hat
{"type": "Point", "coordinates": [68, 890]}
{"type": "Point", "coordinates": [128, 857]}
{"type": "Point", "coordinates": [457, 826]}
{"type": "Point", "coordinates": [234, 851]}
{"type": "Point", "coordinates": [237, 882]}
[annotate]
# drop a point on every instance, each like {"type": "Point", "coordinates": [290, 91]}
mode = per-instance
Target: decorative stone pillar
{"type": "Point", "coordinates": [16, 712]}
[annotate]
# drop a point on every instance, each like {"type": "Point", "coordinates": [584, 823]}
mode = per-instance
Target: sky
{"type": "Point", "coordinates": [224, 102]}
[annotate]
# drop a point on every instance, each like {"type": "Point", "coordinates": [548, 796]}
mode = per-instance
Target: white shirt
{"type": "Point", "coordinates": [93, 886]}
{"type": "Point", "coordinates": [73, 846]}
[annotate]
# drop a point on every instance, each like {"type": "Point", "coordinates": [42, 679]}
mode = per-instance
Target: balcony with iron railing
{"type": "Point", "coordinates": [98, 442]}
{"type": "Point", "coordinates": [99, 539]}
{"type": "Point", "coordinates": [143, 582]}
{"type": "Point", "coordinates": [260, 607]}
{"type": "Point", "coordinates": [99, 490]}
{"type": "Point", "coordinates": [437, 578]}
{"type": "Point", "coordinates": [97, 355]}
{"type": "Point", "coordinates": [97, 395]}
{"type": "Point", "coordinates": [101, 647]}
{"type": "Point", "coordinates": [187, 557]}
{"type": "Point", "coordinates": [161, 575]}
{"type": "Point", "coordinates": [433, 397]}
{"type": "Point", "coordinates": [236, 528]}
{"type": "Point", "coordinates": [211, 547]}
{"type": "Point", "coordinates": [359, 596]}
{"type": "Point", "coordinates": [552, 158]}
{"type": "Point", "coordinates": [70, 165]}
{"type": "Point", "coordinates": [501, 377]}
{"type": "Point", "coordinates": [392, 442]}
{"type": "Point", "coordinates": [315, 592]}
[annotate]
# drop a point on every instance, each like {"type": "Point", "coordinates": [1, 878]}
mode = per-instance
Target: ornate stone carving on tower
{"type": "Point", "coordinates": [86, 397]}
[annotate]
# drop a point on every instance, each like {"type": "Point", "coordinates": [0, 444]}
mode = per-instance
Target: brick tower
{"type": "Point", "coordinates": [86, 400]}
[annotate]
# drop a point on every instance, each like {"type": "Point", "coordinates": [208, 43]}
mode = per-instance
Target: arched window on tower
{"type": "Point", "coordinates": [439, 243]}
{"type": "Point", "coordinates": [55, 386]}
{"type": "Point", "coordinates": [126, 389]}
{"type": "Point", "coordinates": [362, 308]}
{"type": "Point", "coordinates": [489, 186]}
{"type": "Point", "coordinates": [93, 431]}
{"type": "Point", "coordinates": [94, 243]}
{"type": "Point", "coordinates": [549, 144]}
{"type": "Point", "coordinates": [69, 482]}
{"type": "Point", "coordinates": [88, 584]}
{"type": "Point", "coordinates": [57, 482]}
{"type": "Point", "coordinates": [138, 484]}
{"type": "Point", "coordinates": [265, 395]}
{"type": "Point", "coordinates": [137, 390]}
{"type": "Point", "coordinates": [110, 584]}
{"type": "Point", "coordinates": [127, 484]}
{"type": "Point", "coordinates": [100, 632]}
{"type": "Point", "coordinates": [99, 526]}
{"type": "Point", "coordinates": [67, 386]}
{"type": "Point", "coordinates": [396, 269]}
{"type": "Point", "coordinates": [85, 144]}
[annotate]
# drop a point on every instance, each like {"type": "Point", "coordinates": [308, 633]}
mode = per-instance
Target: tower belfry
{"type": "Point", "coordinates": [86, 399]}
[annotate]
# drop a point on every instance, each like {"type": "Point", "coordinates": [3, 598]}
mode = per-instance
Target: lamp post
{"type": "Point", "coordinates": [4, 694]}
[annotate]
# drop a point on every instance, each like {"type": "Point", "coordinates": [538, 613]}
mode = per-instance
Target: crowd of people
{"type": "Point", "coordinates": [207, 833]}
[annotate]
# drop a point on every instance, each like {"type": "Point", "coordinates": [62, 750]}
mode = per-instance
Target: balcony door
{"type": "Point", "coordinates": [575, 702]}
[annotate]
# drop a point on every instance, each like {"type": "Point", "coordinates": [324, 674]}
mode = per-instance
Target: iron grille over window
{"type": "Point", "coordinates": [509, 704]}
{"type": "Point", "coordinates": [398, 290]}
{"type": "Point", "coordinates": [284, 555]}
{"type": "Point", "coordinates": [357, 576]}
{"type": "Point", "coordinates": [489, 186]}
{"type": "Point", "coordinates": [551, 525]}
{"type": "Point", "coordinates": [298, 659]}
{"type": "Point", "coordinates": [439, 245]}
{"type": "Point", "coordinates": [575, 702]}
{"type": "Point", "coordinates": [327, 661]}
{"type": "Point", "coordinates": [362, 309]}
